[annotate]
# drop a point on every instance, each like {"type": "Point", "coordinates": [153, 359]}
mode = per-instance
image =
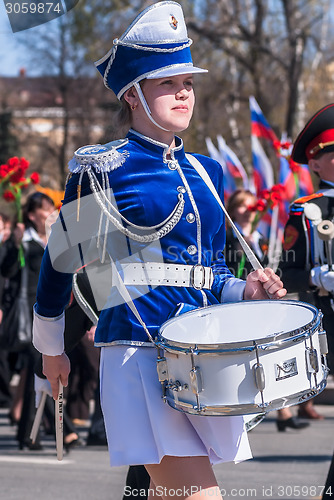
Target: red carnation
{"type": "Point", "coordinates": [4, 169]}
{"type": "Point", "coordinates": [277, 193]}
{"type": "Point", "coordinates": [252, 208]}
{"type": "Point", "coordinates": [265, 194]}
{"type": "Point", "coordinates": [286, 145]}
{"type": "Point", "coordinates": [34, 177]}
{"type": "Point", "coordinates": [261, 205]}
{"type": "Point", "coordinates": [8, 196]}
{"type": "Point", "coordinates": [295, 167]}
{"type": "Point", "coordinates": [17, 176]}
{"type": "Point", "coordinates": [24, 164]}
{"type": "Point", "coordinates": [13, 162]}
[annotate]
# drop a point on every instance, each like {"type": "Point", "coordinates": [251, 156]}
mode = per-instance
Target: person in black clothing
{"type": "Point", "coordinates": [306, 259]}
{"type": "Point", "coordinates": [31, 234]}
{"type": "Point", "coordinates": [5, 370]}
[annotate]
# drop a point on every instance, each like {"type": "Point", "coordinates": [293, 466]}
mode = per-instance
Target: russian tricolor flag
{"type": "Point", "coordinates": [259, 125]}
{"type": "Point", "coordinates": [229, 182]}
{"type": "Point", "coordinates": [262, 168]}
{"type": "Point", "coordinates": [295, 188]}
{"type": "Point", "coordinates": [286, 178]}
{"type": "Point", "coordinates": [233, 163]}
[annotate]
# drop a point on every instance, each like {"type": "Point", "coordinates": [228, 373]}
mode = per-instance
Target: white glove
{"type": "Point", "coordinates": [41, 385]}
{"type": "Point", "coordinates": [322, 278]}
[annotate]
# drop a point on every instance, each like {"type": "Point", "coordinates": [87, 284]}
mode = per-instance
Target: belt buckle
{"type": "Point", "coordinates": [193, 276]}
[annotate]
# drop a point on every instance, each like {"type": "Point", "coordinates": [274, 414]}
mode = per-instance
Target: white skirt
{"type": "Point", "coordinates": [142, 429]}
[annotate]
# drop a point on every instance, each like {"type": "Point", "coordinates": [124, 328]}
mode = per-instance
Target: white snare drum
{"type": "Point", "coordinates": [243, 358]}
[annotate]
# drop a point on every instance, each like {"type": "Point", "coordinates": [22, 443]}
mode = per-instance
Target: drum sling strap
{"type": "Point", "coordinates": [206, 178]}
{"type": "Point", "coordinates": [249, 253]}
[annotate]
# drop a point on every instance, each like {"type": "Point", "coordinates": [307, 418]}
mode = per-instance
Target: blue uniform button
{"type": "Point", "coordinates": [172, 165]}
{"type": "Point", "coordinates": [192, 249]}
{"type": "Point", "coordinates": [190, 218]}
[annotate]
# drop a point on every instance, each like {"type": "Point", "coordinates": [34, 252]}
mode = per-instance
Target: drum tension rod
{"type": "Point", "coordinates": [195, 375]}
{"type": "Point", "coordinates": [259, 374]}
{"type": "Point", "coordinates": [162, 369]}
{"type": "Point", "coordinates": [312, 360]}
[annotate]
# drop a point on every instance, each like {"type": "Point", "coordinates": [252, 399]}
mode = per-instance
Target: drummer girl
{"type": "Point", "coordinates": [160, 235]}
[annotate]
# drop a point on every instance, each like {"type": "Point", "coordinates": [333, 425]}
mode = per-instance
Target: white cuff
{"type": "Point", "coordinates": [233, 291]}
{"type": "Point", "coordinates": [48, 334]}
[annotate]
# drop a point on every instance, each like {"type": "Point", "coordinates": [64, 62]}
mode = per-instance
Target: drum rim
{"type": "Point", "coordinates": [244, 345]}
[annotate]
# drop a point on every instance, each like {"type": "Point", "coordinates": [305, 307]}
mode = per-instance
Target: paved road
{"type": "Point", "coordinates": [290, 465]}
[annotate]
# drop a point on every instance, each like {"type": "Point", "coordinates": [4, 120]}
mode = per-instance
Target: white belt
{"type": "Point", "coordinates": [156, 273]}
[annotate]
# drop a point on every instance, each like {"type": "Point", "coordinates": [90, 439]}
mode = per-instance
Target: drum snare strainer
{"type": "Point", "coordinates": [242, 358]}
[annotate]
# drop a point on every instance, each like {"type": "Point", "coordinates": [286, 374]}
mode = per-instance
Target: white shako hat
{"type": "Point", "coordinates": [156, 45]}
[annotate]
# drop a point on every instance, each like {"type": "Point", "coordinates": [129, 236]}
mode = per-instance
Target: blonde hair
{"type": "Point", "coordinates": [124, 116]}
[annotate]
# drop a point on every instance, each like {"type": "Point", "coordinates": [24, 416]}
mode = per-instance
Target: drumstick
{"type": "Point", "coordinates": [38, 418]}
{"type": "Point", "coordinates": [59, 422]}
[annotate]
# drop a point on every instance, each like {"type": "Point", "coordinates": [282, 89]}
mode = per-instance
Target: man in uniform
{"type": "Point", "coordinates": [306, 257]}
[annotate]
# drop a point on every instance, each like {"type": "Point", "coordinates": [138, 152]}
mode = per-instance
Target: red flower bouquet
{"type": "Point", "coordinates": [268, 198]}
{"type": "Point", "coordinates": [12, 180]}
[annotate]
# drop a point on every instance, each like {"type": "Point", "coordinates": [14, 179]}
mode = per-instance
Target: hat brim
{"type": "Point", "coordinates": [175, 70]}
{"type": "Point", "coordinates": [320, 122]}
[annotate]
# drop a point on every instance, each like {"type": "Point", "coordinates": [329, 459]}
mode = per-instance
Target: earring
{"type": "Point", "coordinates": [133, 107]}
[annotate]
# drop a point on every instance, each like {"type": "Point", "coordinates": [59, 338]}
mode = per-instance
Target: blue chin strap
{"type": "Point", "coordinates": [146, 107]}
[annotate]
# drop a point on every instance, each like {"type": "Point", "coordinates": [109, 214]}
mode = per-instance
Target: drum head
{"type": "Point", "coordinates": [238, 322]}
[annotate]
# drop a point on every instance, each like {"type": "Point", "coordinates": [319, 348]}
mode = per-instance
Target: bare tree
{"type": "Point", "coordinates": [271, 43]}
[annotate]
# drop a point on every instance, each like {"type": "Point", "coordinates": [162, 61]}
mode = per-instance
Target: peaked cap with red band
{"type": "Point", "coordinates": [317, 136]}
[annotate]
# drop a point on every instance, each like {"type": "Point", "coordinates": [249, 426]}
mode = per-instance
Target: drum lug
{"type": "Point", "coordinates": [196, 382]}
{"type": "Point", "coordinates": [162, 369]}
{"type": "Point", "coordinates": [259, 376]}
{"type": "Point", "coordinates": [312, 360]}
{"type": "Point", "coordinates": [323, 342]}
{"type": "Point", "coordinates": [177, 386]}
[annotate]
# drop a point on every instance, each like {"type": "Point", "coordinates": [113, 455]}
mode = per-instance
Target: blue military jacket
{"type": "Point", "coordinates": [145, 188]}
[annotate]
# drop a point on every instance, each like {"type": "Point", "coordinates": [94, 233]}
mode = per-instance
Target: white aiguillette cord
{"type": "Point", "coordinates": [206, 178]}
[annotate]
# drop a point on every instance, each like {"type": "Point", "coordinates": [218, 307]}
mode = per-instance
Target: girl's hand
{"type": "Point", "coordinates": [263, 284]}
{"type": "Point", "coordinates": [55, 368]}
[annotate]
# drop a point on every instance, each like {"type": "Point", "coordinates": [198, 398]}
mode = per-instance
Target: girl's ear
{"type": "Point", "coordinates": [131, 97]}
